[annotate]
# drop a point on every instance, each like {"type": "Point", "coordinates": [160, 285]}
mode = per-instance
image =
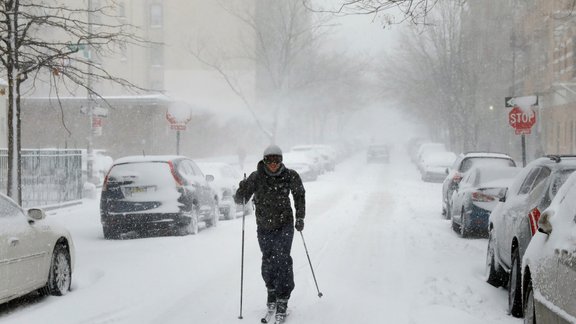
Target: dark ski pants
{"type": "Point", "coordinates": [277, 269]}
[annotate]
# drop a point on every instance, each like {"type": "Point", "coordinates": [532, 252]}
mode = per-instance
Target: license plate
{"type": "Point", "coordinates": [130, 191]}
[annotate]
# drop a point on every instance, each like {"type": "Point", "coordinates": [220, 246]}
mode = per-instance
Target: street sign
{"type": "Point", "coordinates": [96, 111]}
{"type": "Point", "coordinates": [521, 120]}
{"type": "Point", "coordinates": [524, 102]}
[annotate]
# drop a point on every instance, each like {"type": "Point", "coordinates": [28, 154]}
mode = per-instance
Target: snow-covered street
{"type": "Point", "coordinates": [381, 252]}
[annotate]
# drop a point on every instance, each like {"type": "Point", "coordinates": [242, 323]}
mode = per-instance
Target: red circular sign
{"type": "Point", "coordinates": [520, 119]}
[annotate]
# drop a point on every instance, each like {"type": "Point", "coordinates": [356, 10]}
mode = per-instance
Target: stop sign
{"type": "Point", "coordinates": [521, 120]}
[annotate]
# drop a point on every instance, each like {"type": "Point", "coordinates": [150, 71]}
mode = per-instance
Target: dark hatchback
{"type": "Point", "coordinates": [156, 194]}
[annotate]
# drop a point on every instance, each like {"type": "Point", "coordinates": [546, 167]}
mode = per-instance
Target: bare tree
{"type": "Point", "coordinates": [283, 40]}
{"type": "Point", "coordinates": [388, 11]}
{"type": "Point", "coordinates": [41, 38]}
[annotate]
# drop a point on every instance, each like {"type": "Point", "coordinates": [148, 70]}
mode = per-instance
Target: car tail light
{"type": "Point", "coordinates": [105, 183]}
{"type": "Point", "coordinates": [534, 216]}
{"type": "Point", "coordinates": [177, 178]}
{"type": "Point", "coordinates": [457, 177]}
{"type": "Point", "coordinates": [482, 197]}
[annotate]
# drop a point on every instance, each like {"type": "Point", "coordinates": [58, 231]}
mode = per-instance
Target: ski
{"type": "Point", "coordinates": [280, 319]}
{"type": "Point", "coordinates": [269, 314]}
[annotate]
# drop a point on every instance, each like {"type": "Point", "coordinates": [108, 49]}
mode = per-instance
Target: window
{"type": "Point", "coordinates": [529, 181]}
{"type": "Point", "coordinates": [156, 15]}
{"type": "Point", "coordinates": [8, 209]}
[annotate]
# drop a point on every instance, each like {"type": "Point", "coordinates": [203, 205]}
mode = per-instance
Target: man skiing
{"type": "Point", "coordinates": [271, 184]}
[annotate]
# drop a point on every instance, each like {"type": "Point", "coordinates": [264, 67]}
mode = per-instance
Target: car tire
{"type": "Point", "coordinates": [60, 276]}
{"type": "Point", "coordinates": [514, 288]}
{"type": "Point", "coordinates": [214, 215]}
{"type": "Point", "coordinates": [529, 309]}
{"type": "Point", "coordinates": [463, 229]}
{"type": "Point", "coordinates": [494, 276]}
{"type": "Point", "coordinates": [455, 226]}
{"type": "Point", "coordinates": [192, 227]}
{"type": "Point", "coordinates": [110, 233]}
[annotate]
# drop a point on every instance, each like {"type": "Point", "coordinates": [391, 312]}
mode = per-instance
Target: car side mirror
{"type": "Point", "coordinates": [502, 195]}
{"type": "Point", "coordinates": [447, 171]}
{"type": "Point", "coordinates": [544, 225]}
{"type": "Point", "coordinates": [36, 214]}
{"type": "Point", "coordinates": [209, 178]}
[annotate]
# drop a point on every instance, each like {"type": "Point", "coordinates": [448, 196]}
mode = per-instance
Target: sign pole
{"type": "Point", "coordinates": [178, 142]}
{"type": "Point", "coordinates": [523, 150]}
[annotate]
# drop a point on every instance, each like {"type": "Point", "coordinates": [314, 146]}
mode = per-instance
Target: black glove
{"type": "Point", "coordinates": [299, 226]}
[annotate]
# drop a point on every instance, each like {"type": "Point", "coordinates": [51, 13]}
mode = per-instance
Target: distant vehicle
{"type": "Point", "coordinates": [476, 196]}
{"type": "Point", "coordinates": [378, 153]}
{"type": "Point", "coordinates": [322, 154]}
{"type": "Point", "coordinates": [515, 221]}
{"type": "Point", "coordinates": [463, 164]}
{"type": "Point", "coordinates": [434, 165]}
{"type": "Point", "coordinates": [34, 254]}
{"type": "Point", "coordinates": [156, 194]}
{"type": "Point", "coordinates": [301, 163]}
{"type": "Point", "coordinates": [549, 276]}
{"type": "Point", "coordinates": [225, 184]}
{"type": "Point", "coordinates": [426, 148]}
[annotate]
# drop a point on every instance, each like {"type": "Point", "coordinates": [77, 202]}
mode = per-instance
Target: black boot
{"type": "Point", "coordinates": [281, 307]}
{"type": "Point", "coordinates": [271, 300]}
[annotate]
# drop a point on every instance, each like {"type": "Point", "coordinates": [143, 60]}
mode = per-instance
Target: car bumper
{"type": "Point", "coordinates": [477, 220]}
{"type": "Point", "coordinates": [143, 221]}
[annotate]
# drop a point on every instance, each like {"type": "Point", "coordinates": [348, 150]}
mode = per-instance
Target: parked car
{"type": "Point", "coordinates": [322, 153]}
{"type": "Point", "coordinates": [426, 148]}
{"type": "Point", "coordinates": [512, 225]}
{"type": "Point", "coordinates": [156, 194]}
{"type": "Point", "coordinates": [225, 184]}
{"type": "Point", "coordinates": [476, 196]}
{"type": "Point", "coordinates": [378, 153]}
{"type": "Point", "coordinates": [34, 254]}
{"type": "Point", "coordinates": [549, 271]}
{"type": "Point", "coordinates": [301, 163]}
{"type": "Point", "coordinates": [434, 165]}
{"type": "Point", "coordinates": [463, 164]}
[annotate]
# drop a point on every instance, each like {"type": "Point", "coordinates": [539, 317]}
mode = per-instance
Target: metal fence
{"type": "Point", "coordinates": [49, 176]}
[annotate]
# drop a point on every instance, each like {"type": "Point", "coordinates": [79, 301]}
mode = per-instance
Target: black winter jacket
{"type": "Point", "coordinates": [271, 196]}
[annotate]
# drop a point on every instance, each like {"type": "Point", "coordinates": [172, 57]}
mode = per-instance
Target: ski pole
{"type": "Point", "coordinates": [311, 268]}
{"type": "Point", "coordinates": [242, 259]}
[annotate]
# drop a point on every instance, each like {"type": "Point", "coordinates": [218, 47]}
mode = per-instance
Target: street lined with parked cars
{"type": "Point", "coordinates": [527, 215]}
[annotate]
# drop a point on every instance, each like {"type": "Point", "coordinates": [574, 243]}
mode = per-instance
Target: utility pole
{"type": "Point", "coordinates": [90, 149]}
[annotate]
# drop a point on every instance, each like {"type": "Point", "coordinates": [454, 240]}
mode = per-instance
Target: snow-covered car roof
{"type": "Point", "coordinates": [487, 154]}
{"type": "Point", "coordinates": [148, 158]}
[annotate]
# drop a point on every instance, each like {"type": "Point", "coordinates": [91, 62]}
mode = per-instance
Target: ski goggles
{"type": "Point", "coordinates": [268, 159]}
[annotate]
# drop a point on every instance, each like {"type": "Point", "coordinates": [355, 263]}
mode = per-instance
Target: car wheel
{"type": "Point", "coordinates": [514, 289]}
{"type": "Point", "coordinates": [60, 276]}
{"type": "Point", "coordinates": [463, 229]}
{"type": "Point", "coordinates": [110, 233]}
{"type": "Point", "coordinates": [214, 216]}
{"type": "Point", "coordinates": [493, 276]}
{"type": "Point", "coordinates": [455, 226]}
{"type": "Point", "coordinates": [192, 227]}
{"type": "Point", "coordinates": [529, 309]}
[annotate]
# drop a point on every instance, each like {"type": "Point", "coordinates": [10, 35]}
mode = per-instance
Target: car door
{"type": "Point", "coordinates": [207, 191]}
{"type": "Point", "coordinates": [459, 195]}
{"type": "Point", "coordinates": [196, 181]}
{"type": "Point", "coordinates": [565, 253]}
{"type": "Point", "coordinates": [27, 248]}
{"type": "Point", "coordinates": [515, 198]}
